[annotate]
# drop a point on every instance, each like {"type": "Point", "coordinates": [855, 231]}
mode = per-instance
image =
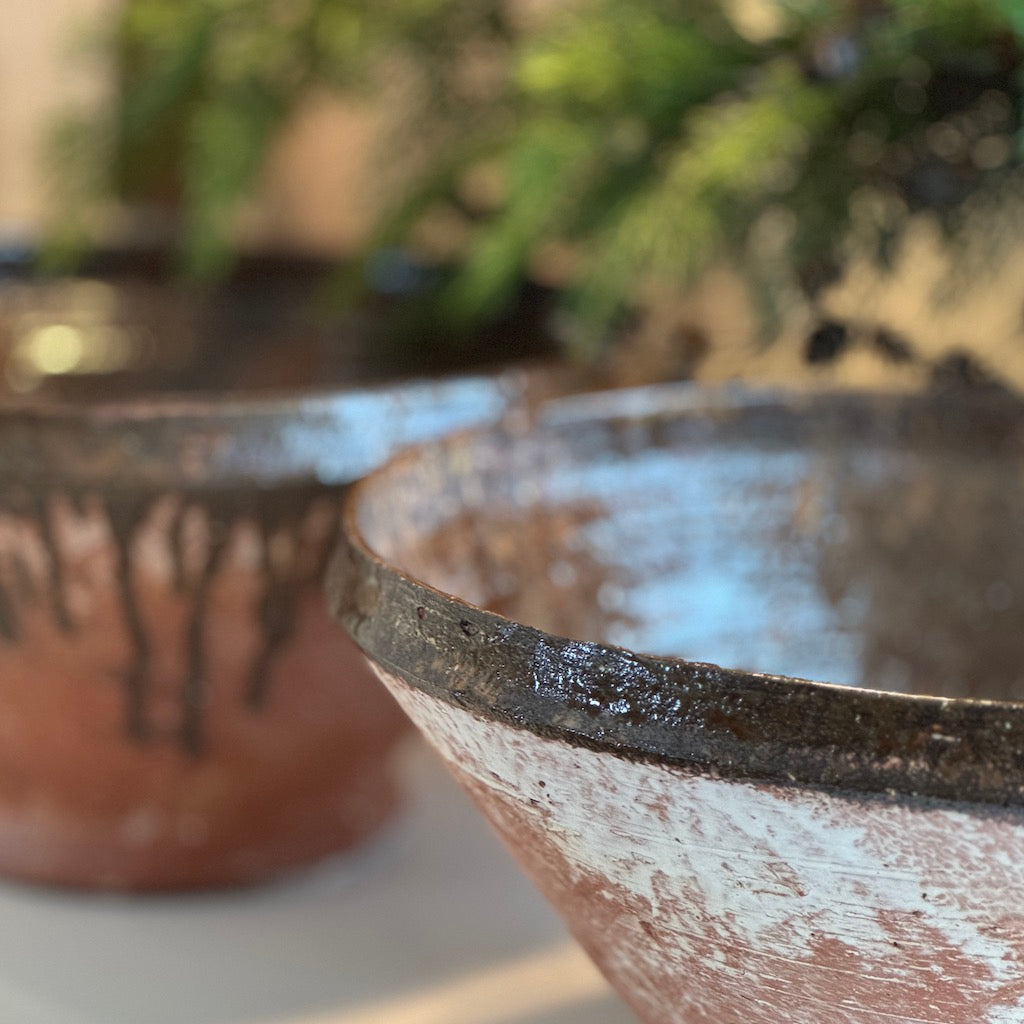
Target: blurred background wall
{"type": "Point", "coordinates": [43, 70]}
{"type": "Point", "coordinates": [902, 88]}
{"type": "Point", "coordinates": [51, 62]}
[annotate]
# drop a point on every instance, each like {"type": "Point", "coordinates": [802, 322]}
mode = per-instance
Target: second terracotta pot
{"type": "Point", "coordinates": [177, 708]}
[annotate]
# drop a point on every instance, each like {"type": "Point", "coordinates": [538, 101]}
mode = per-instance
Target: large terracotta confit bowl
{"type": "Point", "coordinates": [732, 847]}
{"type": "Point", "coordinates": [177, 708]}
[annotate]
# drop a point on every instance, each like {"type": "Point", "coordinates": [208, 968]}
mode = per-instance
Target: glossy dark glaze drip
{"type": "Point", "coordinates": [44, 521]}
{"type": "Point", "coordinates": [192, 692]}
{"type": "Point", "coordinates": [272, 512]}
{"type": "Point", "coordinates": [125, 515]}
{"type": "Point", "coordinates": [277, 620]}
{"type": "Point", "coordinates": [9, 630]}
{"type": "Point", "coordinates": [280, 601]}
{"type": "Point", "coordinates": [176, 541]}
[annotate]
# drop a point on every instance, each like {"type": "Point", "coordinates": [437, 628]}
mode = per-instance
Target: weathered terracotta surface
{"type": "Point", "coordinates": [731, 847]}
{"type": "Point", "coordinates": [737, 903]}
{"type": "Point", "coordinates": [177, 708]}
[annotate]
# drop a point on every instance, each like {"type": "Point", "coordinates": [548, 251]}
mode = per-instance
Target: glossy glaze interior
{"type": "Point", "coordinates": [873, 543]}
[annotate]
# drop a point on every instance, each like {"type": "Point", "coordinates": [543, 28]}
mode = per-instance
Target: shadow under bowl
{"type": "Point", "coordinates": [552, 606]}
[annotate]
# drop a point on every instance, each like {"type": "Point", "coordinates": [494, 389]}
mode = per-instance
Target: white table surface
{"type": "Point", "coordinates": [430, 924]}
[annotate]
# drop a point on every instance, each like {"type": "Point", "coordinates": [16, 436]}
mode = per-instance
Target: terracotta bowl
{"type": "Point", "coordinates": [731, 846]}
{"type": "Point", "coordinates": [177, 708]}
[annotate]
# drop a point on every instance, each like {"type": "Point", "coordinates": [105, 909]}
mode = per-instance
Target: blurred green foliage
{"type": "Point", "coordinates": [645, 138]}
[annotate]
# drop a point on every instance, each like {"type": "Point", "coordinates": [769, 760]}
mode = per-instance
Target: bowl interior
{"type": "Point", "coordinates": [872, 542]}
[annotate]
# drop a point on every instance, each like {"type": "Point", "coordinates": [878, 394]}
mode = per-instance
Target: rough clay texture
{"type": "Point", "coordinates": [177, 709]}
{"type": "Point", "coordinates": [724, 902]}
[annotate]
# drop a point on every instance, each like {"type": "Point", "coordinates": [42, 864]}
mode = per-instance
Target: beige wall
{"type": "Point", "coordinates": [318, 194]}
{"type": "Point", "coordinates": [315, 195]}
{"type": "Point", "coordinates": [40, 74]}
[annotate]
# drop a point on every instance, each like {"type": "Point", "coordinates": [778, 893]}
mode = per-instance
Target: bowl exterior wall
{"type": "Point", "coordinates": [709, 900]}
{"type": "Point", "coordinates": [177, 708]}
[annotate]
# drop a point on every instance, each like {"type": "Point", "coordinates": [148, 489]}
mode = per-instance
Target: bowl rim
{"type": "Point", "coordinates": [692, 715]}
{"type": "Point", "coordinates": [232, 403]}
{"type": "Point", "coordinates": [227, 439]}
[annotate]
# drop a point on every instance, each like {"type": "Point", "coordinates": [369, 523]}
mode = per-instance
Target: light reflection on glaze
{"type": "Point", "coordinates": [706, 578]}
{"type": "Point", "coordinates": [366, 430]}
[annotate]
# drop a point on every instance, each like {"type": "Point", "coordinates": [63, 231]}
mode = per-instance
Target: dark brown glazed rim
{"type": "Point", "coordinates": [230, 440]}
{"type": "Point", "coordinates": [732, 724]}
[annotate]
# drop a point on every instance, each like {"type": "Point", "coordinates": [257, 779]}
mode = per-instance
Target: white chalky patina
{"type": "Point", "coordinates": [717, 901]}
